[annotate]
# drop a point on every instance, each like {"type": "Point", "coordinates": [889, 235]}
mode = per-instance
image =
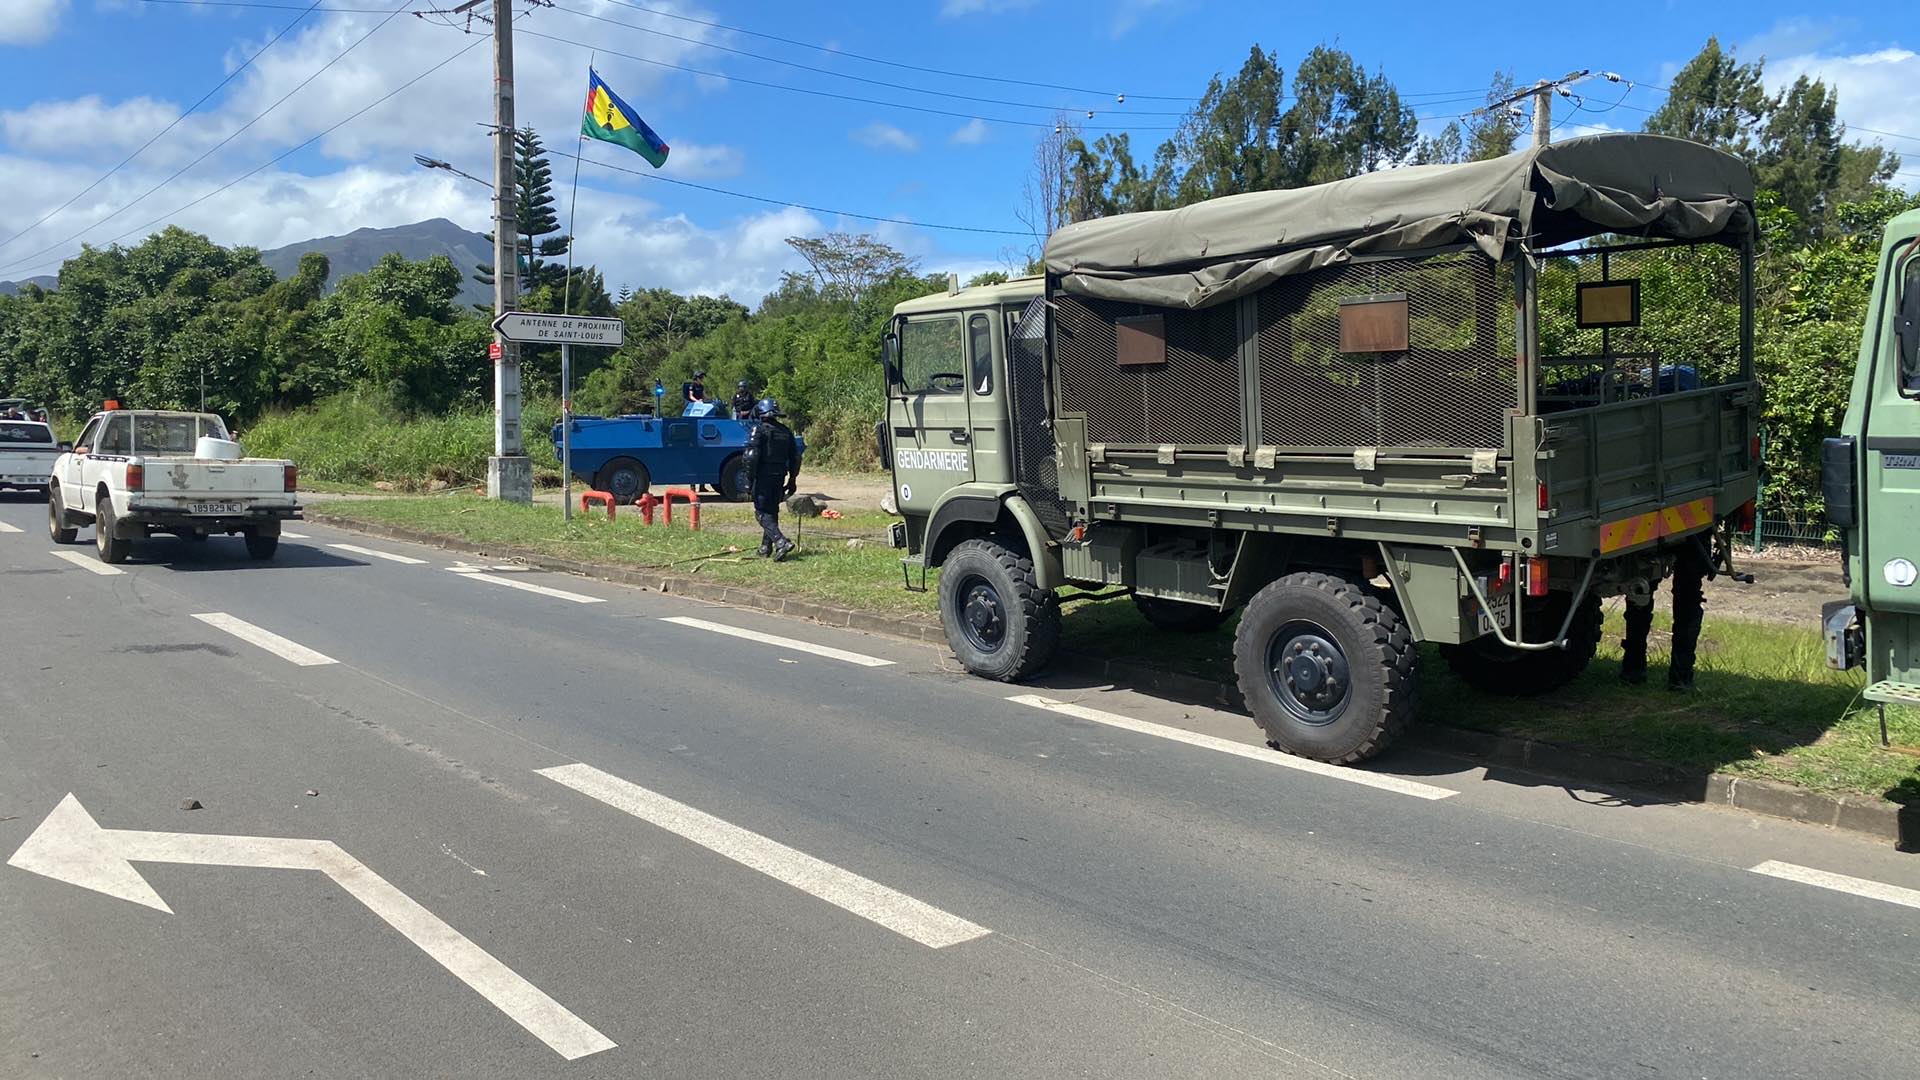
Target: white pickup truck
{"type": "Point", "coordinates": [27, 451]}
{"type": "Point", "coordinates": [133, 473]}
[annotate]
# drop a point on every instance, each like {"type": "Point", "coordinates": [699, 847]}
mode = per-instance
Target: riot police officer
{"type": "Point", "coordinates": [743, 402]}
{"type": "Point", "coordinates": [1690, 570]}
{"type": "Point", "coordinates": [773, 471]}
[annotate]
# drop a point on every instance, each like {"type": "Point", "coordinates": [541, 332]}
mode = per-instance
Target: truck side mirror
{"type": "Point", "coordinates": [890, 359]}
{"type": "Point", "coordinates": [1839, 482]}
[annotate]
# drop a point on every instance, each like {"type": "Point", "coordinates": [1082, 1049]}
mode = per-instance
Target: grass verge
{"type": "Point", "coordinates": [1766, 706]}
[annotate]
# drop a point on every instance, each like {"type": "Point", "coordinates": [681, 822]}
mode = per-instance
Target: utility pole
{"type": "Point", "coordinates": [1542, 112]}
{"type": "Point", "coordinates": [1542, 94]}
{"type": "Point", "coordinates": [509, 471]}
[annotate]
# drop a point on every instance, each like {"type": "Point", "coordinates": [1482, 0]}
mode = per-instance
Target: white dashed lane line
{"type": "Point", "coordinates": [895, 910]}
{"type": "Point", "coordinates": [285, 535]}
{"type": "Point", "coordinates": [87, 562]}
{"type": "Point", "coordinates": [6, 528]}
{"type": "Point", "coordinates": [781, 642]}
{"type": "Point", "coordinates": [1872, 890]}
{"type": "Point", "coordinates": [372, 554]}
{"type": "Point", "coordinates": [526, 586]}
{"type": "Point", "coordinates": [290, 651]}
{"type": "Point", "coordinates": [1265, 756]}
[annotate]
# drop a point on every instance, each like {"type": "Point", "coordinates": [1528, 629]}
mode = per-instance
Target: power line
{"type": "Point", "coordinates": [290, 151]}
{"type": "Point", "coordinates": [783, 202]}
{"type": "Point", "coordinates": [204, 98]}
{"type": "Point", "coordinates": [216, 146]}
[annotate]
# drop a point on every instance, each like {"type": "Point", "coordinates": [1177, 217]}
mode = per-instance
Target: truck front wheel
{"type": "Point", "coordinates": [1328, 670]}
{"type": "Point", "coordinates": [999, 622]}
{"type": "Point", "coordinates": [1493, 668]}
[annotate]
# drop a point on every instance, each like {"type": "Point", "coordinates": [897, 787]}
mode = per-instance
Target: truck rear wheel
{"type": "Point", "coordinates": [113, 548]}
{"type": "Point", "coordinates": [261, 545]}
{"type": "Point", "coordinates": [59, 526]}
{"type": "Point", "coordinates": [1493, 668]}
{"type": "Point", "coordinates": [1178, 617]}
{"type": "Point", "coordinates": [623, 478]}
{"type": "Point", "coordinates": [1328, 670]}
{"type": "Point", "coordinates": [734, 484]}
{"type": "Point", "coordinates": [999, 622]}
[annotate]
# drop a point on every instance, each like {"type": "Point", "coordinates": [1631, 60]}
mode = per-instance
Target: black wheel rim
{"type": "Point", "coordinates": [624, 484]}
{"type": "Point", "coordinates": [739, 480]}
{"type": "Point", "coordinates": [983, 618]}
{"type": "Point", "coordinates": [1308, 673]}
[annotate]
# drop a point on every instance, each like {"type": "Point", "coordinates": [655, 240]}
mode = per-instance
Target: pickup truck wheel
{"type": "Point", "coordinates": [1493, 668]}
{"type": "Point", "coordinates": [623, 478]}
{"type": "Point", "coordinates": [1326, 669]}
{"type": "Point", "coordinates": [113, 547]}
{"type": "Point", "coordinates": [261, 546]}
{"type": "Point", "coordinates": [734, 484]}
{"type": "Point", "coordinates": [59, 526]}
{"type": "Point", "coordinates": [1177, 617]}
{"type": "Point", "coordinates": [999, 622]}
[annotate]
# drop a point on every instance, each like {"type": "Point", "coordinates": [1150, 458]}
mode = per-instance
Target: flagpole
{"type": "Point", "coordinates": [573, 206]}
{"type": "Point", "coordinates": [566, 351]}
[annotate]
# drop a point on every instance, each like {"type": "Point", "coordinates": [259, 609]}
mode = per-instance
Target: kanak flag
{"type": "Point", "coordinates": [612, 120]}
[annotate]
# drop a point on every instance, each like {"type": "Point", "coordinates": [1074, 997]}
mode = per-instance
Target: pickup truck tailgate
{"type": "Point", "coordinates": [215, 481]}
{"type": "Point", "coordinates": [27, 466]}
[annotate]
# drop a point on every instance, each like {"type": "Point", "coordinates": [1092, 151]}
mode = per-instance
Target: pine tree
{"type": "Point", "coordinates": [536, 220]}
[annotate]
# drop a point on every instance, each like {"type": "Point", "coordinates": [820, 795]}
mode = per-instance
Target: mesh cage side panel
{"type": "Point", "coordinates": [1193, 398]}
{"type": "Point", "coordinates": [1452, 387]}
{"type": "Point", "coordinates": [1036, 462]}
{"type": "Point", "coordinates": [1689, 329]}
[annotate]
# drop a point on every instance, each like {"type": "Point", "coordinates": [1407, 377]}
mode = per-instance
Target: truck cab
{"type": "Point", "coordinates": [1871, 483]}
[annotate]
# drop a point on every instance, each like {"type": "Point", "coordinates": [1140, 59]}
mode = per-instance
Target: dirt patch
{"type": "Point", "coordinates": [1788, 588]}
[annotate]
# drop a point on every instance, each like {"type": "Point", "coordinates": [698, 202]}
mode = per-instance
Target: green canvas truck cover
{"type": "Point", "coordinates": [1221, 249]}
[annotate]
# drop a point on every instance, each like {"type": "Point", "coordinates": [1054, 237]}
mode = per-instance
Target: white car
{"type": "Point", "coordinates": [133, 473]}
{"type": "Point", "coordinates": [27, 452]}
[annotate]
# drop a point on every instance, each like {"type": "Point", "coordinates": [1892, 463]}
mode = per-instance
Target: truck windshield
{"type": "Point", "coordinates": [31, 434]}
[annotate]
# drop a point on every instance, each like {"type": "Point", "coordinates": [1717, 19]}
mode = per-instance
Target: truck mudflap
{"type": "Point", "coordinates": [1638, 529]}
{"type": "Point", "coordinates": [1518, 640]}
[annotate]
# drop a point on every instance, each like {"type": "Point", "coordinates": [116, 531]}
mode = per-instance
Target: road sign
{"type": "Point", "coordinates": [494, 351]}
{"type": "Point", "coordinates": [70, 846]}
{"type": "Point", "coordinates": [533, 328]}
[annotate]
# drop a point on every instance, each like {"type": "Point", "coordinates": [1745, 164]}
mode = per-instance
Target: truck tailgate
{"type": "Point", "coordinates": [27, 466]}
{"type": "Point", "coordinates": [176, 482]}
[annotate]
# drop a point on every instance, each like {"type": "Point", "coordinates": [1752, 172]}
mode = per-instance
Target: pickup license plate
{"type": "Point", "coordinates": [215, 508]}
{"type": "Point", "coordinates": [24, 479]}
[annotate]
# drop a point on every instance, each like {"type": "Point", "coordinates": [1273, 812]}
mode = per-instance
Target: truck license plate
{"type": "Point", "coordinates": [1502, 610]}
{"type": "Point", "coordinates": [25, 479]}
{"type": "Point", "coordinates": [216, 508]}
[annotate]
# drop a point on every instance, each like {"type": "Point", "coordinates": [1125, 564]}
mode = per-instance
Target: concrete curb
{"type": "Point", "coordinates": [1854, 813]}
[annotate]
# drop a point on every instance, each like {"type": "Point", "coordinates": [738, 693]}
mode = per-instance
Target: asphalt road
{"type": "Point", "coordinates": [629, 846]}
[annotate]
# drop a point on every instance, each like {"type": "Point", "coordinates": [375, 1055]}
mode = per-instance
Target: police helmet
{"type": "Point", "coordinates": [767, 409]}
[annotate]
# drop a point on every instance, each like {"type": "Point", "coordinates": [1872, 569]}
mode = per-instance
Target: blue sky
{"type": "Point", "coordinates": [91, 80]}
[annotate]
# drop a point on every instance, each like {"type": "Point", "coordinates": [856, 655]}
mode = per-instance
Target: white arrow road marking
{"type": "Point", "coordinates": [370, 553]}
{"type": "Point", "coordinates": [898, 912]}
{"type": "Point", "coordinates": [526, 586]}
{"type": "Point", "coordinates": [87, 563]}
{"type": "Point", "coordinates": [291, 651]}
{"type": "Point", "coordinates": [783, 642]}
{"type": "Point", "coordinates": [6, 528]}
{"type": "Point", "coordinates": [70, 846]}
{"type": "Point", "coordinates": [1228, 746]}
{"type": "Point", "coordinates": [1873, 890]}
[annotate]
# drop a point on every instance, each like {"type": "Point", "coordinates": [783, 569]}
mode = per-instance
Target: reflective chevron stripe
{"type": "Point", "coordinates": [1653, 525]}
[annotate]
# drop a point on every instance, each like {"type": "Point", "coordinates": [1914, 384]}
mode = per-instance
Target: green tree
{"type": "Point", "coordinates": [1715, 99]}
{"type": "Point", "coordinates": [540, 243]}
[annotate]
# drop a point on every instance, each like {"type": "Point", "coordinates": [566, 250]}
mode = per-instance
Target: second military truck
{"type": "Point", "coordinates": [1457, 404]}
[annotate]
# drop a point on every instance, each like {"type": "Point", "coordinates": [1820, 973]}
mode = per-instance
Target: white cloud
{"type": "Point", "coordinates": [885, 137]}
{"type": "Point", "coordinates": [954, 9]}
{"type": "Point", "coordinates": [699, 161]}
{"type": "Point", "coordinates": [972, 133]}
{"type": "Point", "coordinates": [1878, 89]}
{"type": "Point", "coordinates": [110, 130]}
{"type": "Point", "coordinates": [1129, 14]}
{"type": "Point", "coordinates": [29, 22]}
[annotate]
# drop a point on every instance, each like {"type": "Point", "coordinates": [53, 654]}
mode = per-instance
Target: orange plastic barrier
{"type": "Point", "coordinates": [589, 497]}
{"type": "Point", "coordinates": [691, 495]}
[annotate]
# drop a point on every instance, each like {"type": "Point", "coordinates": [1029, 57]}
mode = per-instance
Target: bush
{"type": "Point", "coordinates": [360, 438]}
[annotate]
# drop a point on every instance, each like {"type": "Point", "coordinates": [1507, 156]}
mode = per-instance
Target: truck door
{"type": "Point", "coordinates": [1890, 500]}
{"type": "Point", "coordinates": [932, 435]}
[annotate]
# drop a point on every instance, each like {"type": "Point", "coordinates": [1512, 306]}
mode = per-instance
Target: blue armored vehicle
{"type": "Point", "coordinates": [626, 455]}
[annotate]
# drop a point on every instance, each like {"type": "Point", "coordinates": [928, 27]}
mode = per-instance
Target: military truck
{"type": "Point", "coordinates": [1871, 483]}
{"type": "Point", "coordinates": [1457, 404]}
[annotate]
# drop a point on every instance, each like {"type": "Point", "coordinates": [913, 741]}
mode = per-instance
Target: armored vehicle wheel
{"type": "Point", "coordinates": [113, 548]}
{"type": "Point", "coordinates": [734, 483]}
{"type": "Point", "coordinates": [1327, 669]}
{"type": "Point", "coordinates": [999, 622]}
{"type": "Point", "coordinates": [59, 527]}
{"type": "Point", "coordinates": [623, 478]}
{"type": "Point", "coordinates": [1178, 617]}
{"type": "Point", "coordinates": [1493, 668]}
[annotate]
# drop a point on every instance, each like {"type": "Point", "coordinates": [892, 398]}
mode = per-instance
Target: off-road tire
{"type": "Point", "coordinates": [1377, 652]}
{"type": "Point", "coordinates": [735, 485]}
{"type": "Point", "coordinates": [260, 546]}
{"type": "Point", "coordinates": [112, 547]}
{"type": "Point", "coordinates": [1493, 668]}
{"type": "Point", "coordinates": [1027, 631]}
{"type": "Point", "coordinates": [623, 478]}
{"type": "Point", "coordinates": [1176, 617]}
{"type": "Point", "coordinates": [60, 527]}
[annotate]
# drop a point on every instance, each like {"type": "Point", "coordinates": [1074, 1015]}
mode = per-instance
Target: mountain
{"type": "Point", "coordinates": [45, 281]}
{"type": "Point", "coordinates": [360, 249]}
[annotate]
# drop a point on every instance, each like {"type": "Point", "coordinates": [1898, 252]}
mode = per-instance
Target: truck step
{"type": "Point", "coordinates": [1902, 693]}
